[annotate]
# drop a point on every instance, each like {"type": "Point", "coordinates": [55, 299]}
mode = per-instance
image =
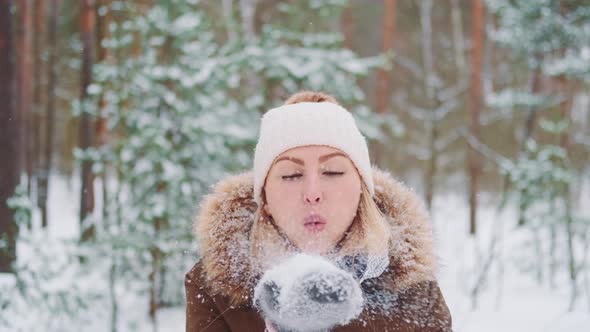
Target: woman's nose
{"type": "Point", "coordinates": [313, 198]}
{"type": "Point", "coordinates": [312, 193]}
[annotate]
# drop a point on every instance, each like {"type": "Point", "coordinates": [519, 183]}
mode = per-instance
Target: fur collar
{"type": "Point", "coordinates": [226, 216]}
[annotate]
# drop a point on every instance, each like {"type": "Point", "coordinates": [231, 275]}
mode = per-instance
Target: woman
{"type": "Point", "coordinates": [313, 190]}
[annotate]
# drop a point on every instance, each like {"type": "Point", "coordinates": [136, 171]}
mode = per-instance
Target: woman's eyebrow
{"type": "Point", "coordinates": [293, 159]}
{"type": "Point", "coordinates": [321, 159]}
{"type": "Point", "coordinates": [331, 155]}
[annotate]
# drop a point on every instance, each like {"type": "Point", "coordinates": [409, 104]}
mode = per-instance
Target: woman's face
{"type": "Point", "coordinates": [312, 193]}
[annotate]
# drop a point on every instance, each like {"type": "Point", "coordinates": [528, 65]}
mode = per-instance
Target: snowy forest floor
{"type": "Point", "coordinates": [509, 300]}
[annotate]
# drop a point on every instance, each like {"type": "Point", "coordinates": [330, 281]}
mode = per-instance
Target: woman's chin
{"type": "Point", "coordinates": [315, 248]}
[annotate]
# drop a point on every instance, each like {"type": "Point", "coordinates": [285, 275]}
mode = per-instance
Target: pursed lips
{"type": "Point", "coordinates": [314, 223]}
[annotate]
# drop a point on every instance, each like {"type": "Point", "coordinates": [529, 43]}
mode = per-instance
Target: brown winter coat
{"type": "Point", "coordinates": [219, 287]}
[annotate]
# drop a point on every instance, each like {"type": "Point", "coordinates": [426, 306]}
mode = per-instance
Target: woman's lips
{"type": "Point", "coordinates": [314, 223]}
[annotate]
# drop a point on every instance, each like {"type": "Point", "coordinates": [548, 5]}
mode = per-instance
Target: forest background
{"type": "Point", "coordinates": [117, 116]}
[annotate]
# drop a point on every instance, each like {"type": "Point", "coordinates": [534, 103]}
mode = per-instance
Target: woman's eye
{"type": "Point", "coordinates": [292, 176]}
{"type": "Point", "coordinates": [298, 175]}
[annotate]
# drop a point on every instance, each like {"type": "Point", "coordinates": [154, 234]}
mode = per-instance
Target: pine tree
{"type": "Point", "coordinates": [550, 38]}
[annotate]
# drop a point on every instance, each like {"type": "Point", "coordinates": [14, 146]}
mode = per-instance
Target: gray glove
{"type": "Point", "coordinates": [308, 294]}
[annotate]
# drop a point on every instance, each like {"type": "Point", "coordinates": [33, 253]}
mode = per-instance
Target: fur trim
{"type": "Point", "coordinates": [226, 217]}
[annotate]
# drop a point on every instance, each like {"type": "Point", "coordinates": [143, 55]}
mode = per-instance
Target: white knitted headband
{"type": "Point", "coordinates": [309, 123]}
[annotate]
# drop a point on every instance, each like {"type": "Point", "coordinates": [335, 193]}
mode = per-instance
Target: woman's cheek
{"type": "Point", "coordinates": [290, 193]}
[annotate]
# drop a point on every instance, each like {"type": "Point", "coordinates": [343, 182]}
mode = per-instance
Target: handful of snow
{"type": "Point", "coordinates": [308, 293]}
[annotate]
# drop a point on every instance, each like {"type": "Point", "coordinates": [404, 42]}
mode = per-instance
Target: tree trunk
{"type": "Point", "coordinates": [570, 231]}
{"type": "Point", "coordinates": [566, 91]}
{"type": "Point", "coordinates": [113, 295]}
{"type": "Point", "coordinates": [532, 112]}
{"type": "Point", "coordinates": [383, 88]}
{"type": "Point", "coordinates": [9, 135]}
{"type": "Point", "coordinates": [535, 88]}
{"type": "Point", "coordinates": [87, 23]}
{"type": "Point", "coordinates": [431, 103]}
{"type": "Point", "coordinates": [45, 172]}
{"type": "Point", "coordinates": [25, 54]}
{"type": "Point", "coordinates": [153, 278]}
{"type": "Point", "coordinates": [247, 10]}
{"type": "Point", "coordinates": [477, 30]}
{"type": "Point", "coordinates": [458, 44]}
{"type": "Point", "coordinates": [564, 110]}
{"type": "Point", "coordinates": [432, 165]}
{"type": "Point", "coordinates": [228, 17]}
{"type": "Point", "coordinates": [383, 82]}
{"type": "Point", "coordinates": [346, 26]}
{"type": "Point", "coordinates": [101, 123]}
{"type": "Point", "coordinates": [39, 46]}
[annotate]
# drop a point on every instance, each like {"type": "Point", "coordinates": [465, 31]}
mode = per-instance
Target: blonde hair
{"type": "Point", "coordinates": [310, 97]}
{"type": "Point", "coordinates": [369, 232]}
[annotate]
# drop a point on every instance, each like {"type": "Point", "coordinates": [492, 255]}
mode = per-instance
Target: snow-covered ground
{"type": "Point", "coordinates": [511, 301]}
{"type": "Point", "coordinates": [508, 301]}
